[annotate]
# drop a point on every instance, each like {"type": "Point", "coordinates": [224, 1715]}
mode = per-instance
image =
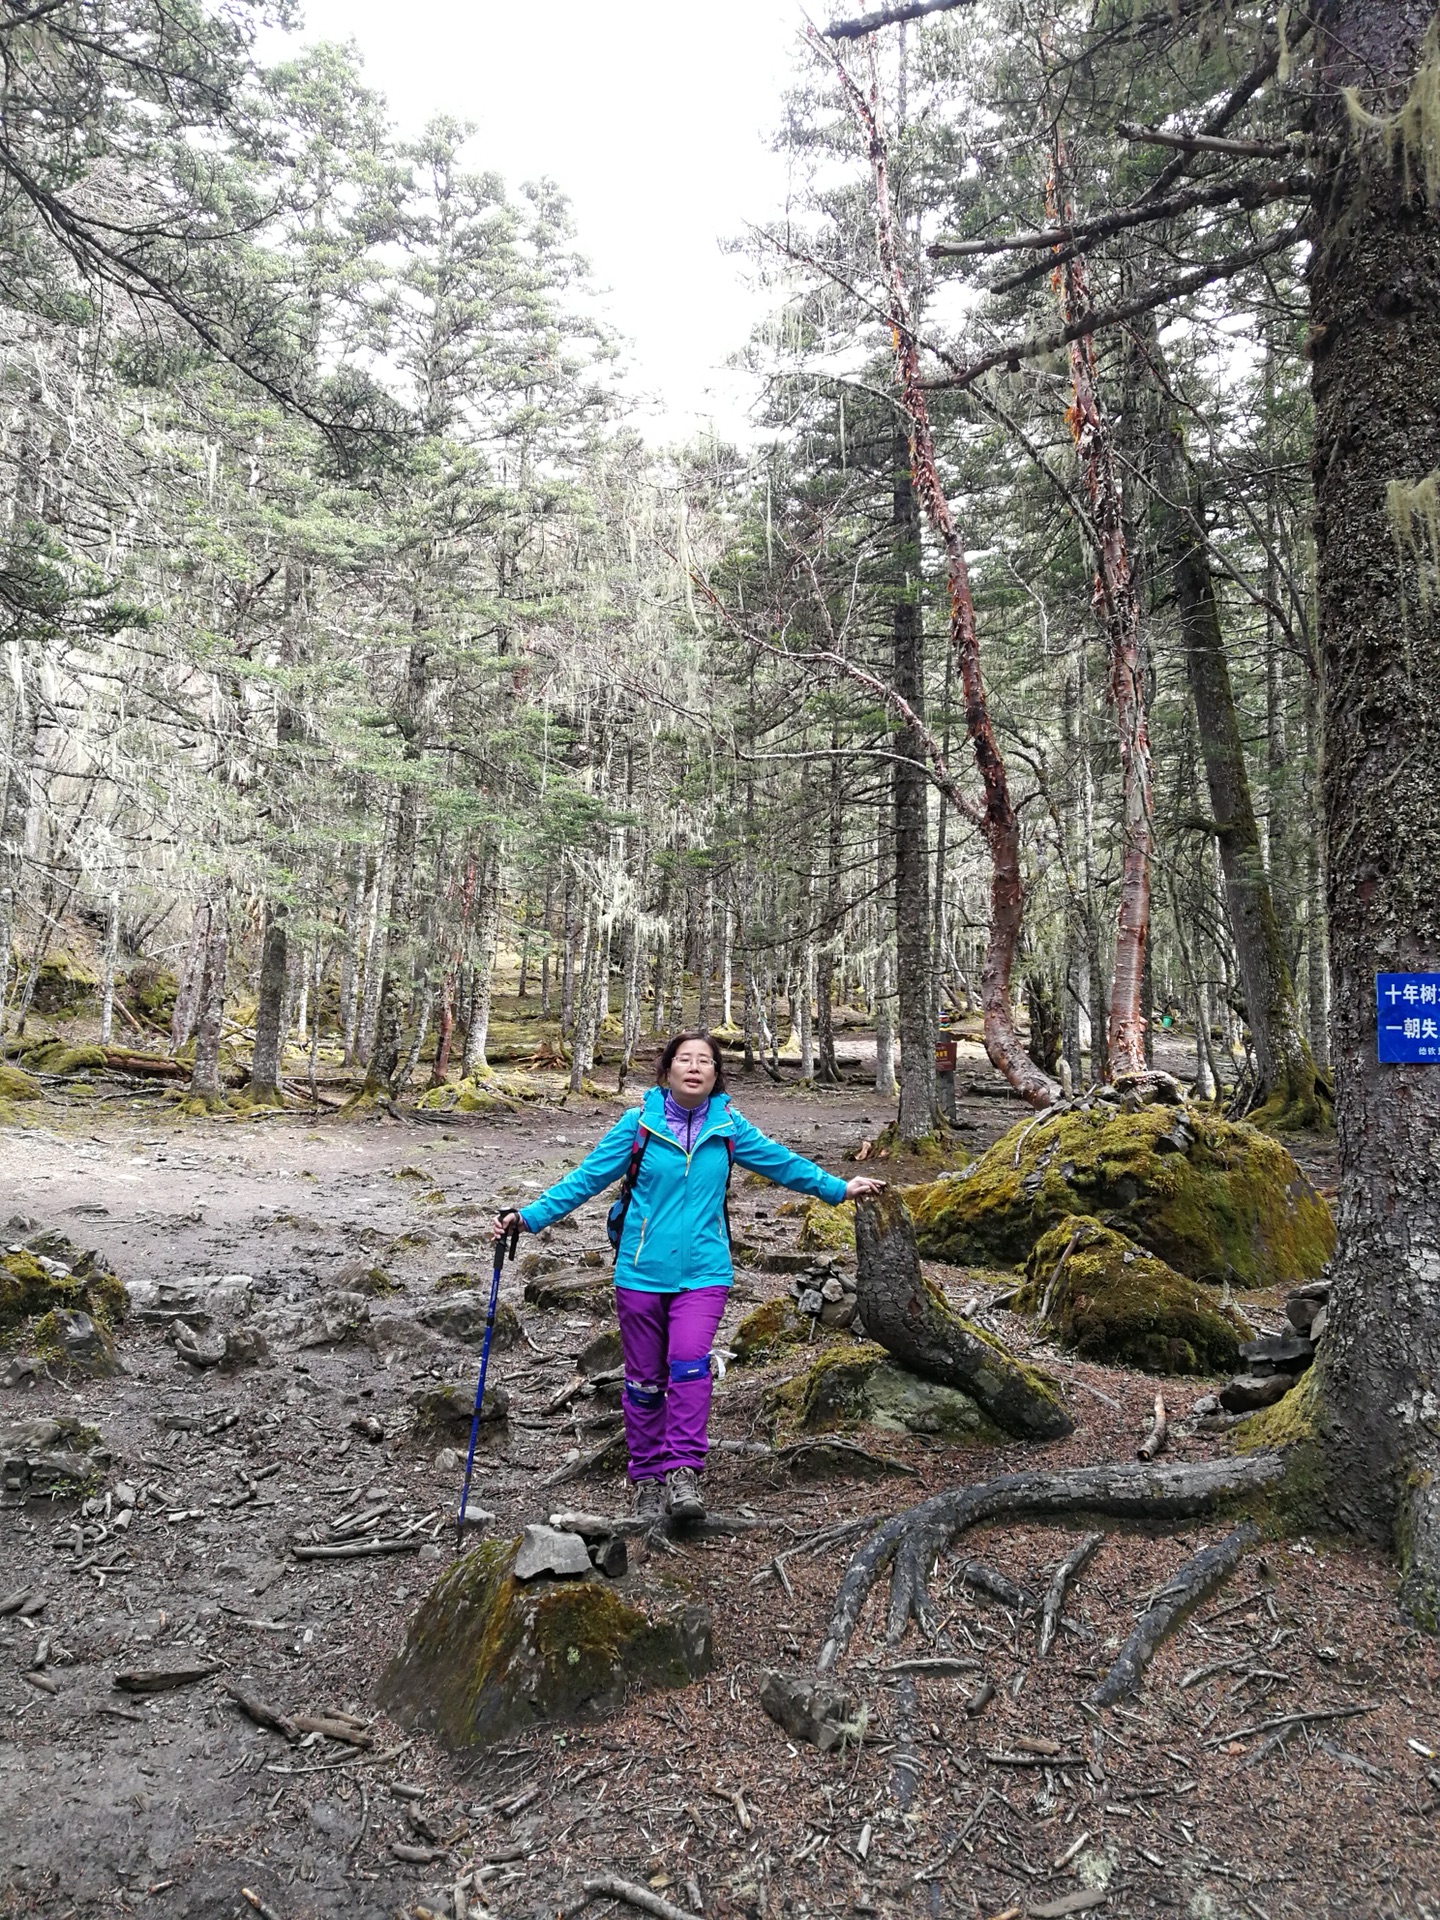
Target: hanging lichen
{"type": "Point", "coordinates": [1410, 135]}
{"type": "Point", "coordinates": [1412, 508]}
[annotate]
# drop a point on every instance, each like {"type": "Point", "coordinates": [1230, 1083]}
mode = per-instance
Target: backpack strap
{"type": "Point", "coordinates": [615, 1219]}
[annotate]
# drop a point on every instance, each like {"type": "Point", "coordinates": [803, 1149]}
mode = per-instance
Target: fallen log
{"type": "Point", "coordinates": [254, 1708]}
{"type": "Point", "coordinates": [912, 1320]}
{"type": "Point", "coordinates": [1154, 1441]}
{"type": "Point", "coordinates": [1195, 1581]}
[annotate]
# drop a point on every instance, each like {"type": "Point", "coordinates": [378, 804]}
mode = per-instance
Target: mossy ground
{"type": "Point", "coordinates": [1114, 1302]}
{"type": "Point", "coordinates": [27, 1290]}
{"type": "Point", "coordinates": [16, 1084]}
{"type": "Point", "coordinates": [1231, 1204]}
{"type": "Point", "coordinates": [827, 1229]}
{"type": "Point", "coordinates": [772, 1327]}
{"type": "Point", "coordinates": [59, 1057]}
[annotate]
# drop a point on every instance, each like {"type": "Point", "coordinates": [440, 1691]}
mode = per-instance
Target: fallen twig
{"type": "Point", "coordinates": [263, 1716]}
{"type": "Point", "coordinates": [1315, 1715]}
{"type": "Point", "coordinates": [1078, 1558]}
{"type": "Point", "coordinates": [1195, 1582]}
{"type": "Point", "coordinates": [262, 1907]}
{"type": "Point", "coordinates": [359, 1549]}
{"type": "Point", "coordinates": [1154, 1441]}
{"type": "Point", "coordinates": [609, 1887]}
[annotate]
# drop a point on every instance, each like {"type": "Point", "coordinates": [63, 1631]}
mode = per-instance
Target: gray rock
{"type": "Point", "coordinates": [340, 1317]}
{"type": "Point", "coordinates": [601, 1355]}
{"type": "Point", "coordinates": [811, 1301]}
{"type": "Point", "coordinates": [1319, 1324]}
{"type": "Point", "coordinates": [1302, 1313]}
{"type": "Point", "coordinates": [832, 1289]}
{"type": "Point", "coordinates": [1278, 1353]}
{"type": "Point", "coordinates": [610, 1557]}
{"type": "Point", "coordinates": [444, 1409]}
{"type": "Point", "coordinates": [1251, 1391]}
{"type": "Point", "coordinates": [195, 1298]}
{"type": "Point", "coordinates": [85, 1347]}
{"type": "Point", "coordinates": [810, 1707]}
{"type": "Point", "coordinates": [20, 1370]}
{"type": "Point", "coordinates": [461, 1316]}
{"type": "Point", "coordinates": [1207, 1403]}
{"type": "Point", "coordinates": [543, 1550]}
{"type": "Point", "coordinates": [839, 1313]}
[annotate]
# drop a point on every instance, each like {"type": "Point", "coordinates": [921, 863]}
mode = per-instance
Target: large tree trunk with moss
{"type": "Point", "coordinates": [1375, 339]}
{"type": "Point", "coordinates": [269, 1010]}
{"type": "Point", "coordinates": [1283, 1060]}
{"type": "Point", "coordinates": [911, 1320]}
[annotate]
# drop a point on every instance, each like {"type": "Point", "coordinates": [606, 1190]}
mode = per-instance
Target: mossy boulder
{"type": "Point", "coordinates": [827, 1229]}
{"type": "Point", "coordinates": [771, 1328]}
{"type": "Point", "coordinates": [466, 1096]}
{"type": "Point", "coordinates": [1214, 1200]}
{"type": "Point", "coordinates": [487, 1656]}
{"type": "Point", "coordinates": [851, 1384]}
{"type": "Point", "coordinates": [62, 984]}
{"type": "Point", "coordinates": [1107, 1299]}
{"type": "Point", "coordinates": [443, 1410]}
{"type": "Point", "coordinates": [71, 1341]}
{"type": "Point", "coordinates": [57, 1056]}
{"type": "Point", "coordinates": [51, 1275]}
{"type": "Point", "coordinates": [151, 992]}
{"type": "Point", "coordinates": [16, 1084]}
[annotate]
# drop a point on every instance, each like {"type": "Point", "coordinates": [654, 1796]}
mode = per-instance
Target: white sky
{"type": "Point", "coordinates": [653, 116]}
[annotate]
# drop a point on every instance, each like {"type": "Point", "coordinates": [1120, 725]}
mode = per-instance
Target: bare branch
{"type": "Point", "coordinates": [1245, 193]}
{"type": "Point", "coordinates": [1211, 143]}
{"type": "Point", "coordinates": [1101, 318]}
{"type": "Point", "coordinates": [889, 17]}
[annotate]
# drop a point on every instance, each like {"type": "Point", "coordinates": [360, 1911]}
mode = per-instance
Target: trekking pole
{"type": "Point", "coordinates": [505, 1245]}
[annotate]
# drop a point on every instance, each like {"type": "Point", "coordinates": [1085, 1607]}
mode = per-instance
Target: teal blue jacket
{"type": "Point", "coordinates": [675, 1234]}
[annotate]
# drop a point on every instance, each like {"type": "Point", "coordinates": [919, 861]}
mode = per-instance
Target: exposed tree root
{"type": "Point", "coordinates": [1074, 1563]}
{"type": "Point", "coordinates": [908, 1544]}
{"type": "Point", "coordinates": [1195, 1581]}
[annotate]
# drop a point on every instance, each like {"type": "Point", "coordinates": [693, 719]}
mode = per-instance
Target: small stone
{"type": "Point", "coordinates": [1312, 1290]}
{"type": "Point", "coordinates": [839, 1313]}
{"type": "Point", "coordinates": [24, 1367]}
{"type": "Point", "coordinates": [832, 1290]}
{"type": "Point", "coordinates": [1251, 1391]}
{"type": "Point", "coordinates": [445, 1409]}
{"type": "Point", "coordinates": [476, 1516]}
{"type": "Point", "coordinates": [811, 1302]}
{"type": "Point", "coordinates": [610, 1557]}
{"type": "Point", "coordinates": [1302, 1313]}
{"type": "Point", "coordinates": [601, 1355]}
{"type": "Point", "coordinates": [1319, 1324]}
{"type": "Point", "coordinates": [197, 1349]}
{"type": "Point", "coordinates": [369, 1426]}
{"type": "Point", "coordinates": [543, 1550]}
{"type": "Point", "coordinates": [1207, 1403]}
{"type": "Point", "coordinates": [1278, 1353]}
{"type": "Point", "coordinates": [809, 1707]}
{"type": "Point", "coordinates": [124, 1494]}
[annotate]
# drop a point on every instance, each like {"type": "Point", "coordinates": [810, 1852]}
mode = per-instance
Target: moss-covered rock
{"type": "Point", "coordinates": [71, 1341]}
{"type": "Point", "coordinates": [51, 1275]}
{"type": "Point", "coordinates": [62, 984]}
{"type": "Point", "coordinates": [57, 1056]}
{"type": "Point", "coordinates": [771, 1328]}
{"type": "Point", "coordinates": [17, 1085]}
{"type": "Point", "coordinates": [852, 1383]}
{"type": "Point", "coordinates": [569, 1292]}
{"type": "Point", "coordinates": [151, 991]}
{"type": "Point", "coordinates": [466, 1096]}
{"type": "Point", "coordinates": [487, 1655]}
{"type": "Point", "coordinates": [1108, 1299]}
{"type": "Point", "coordinates": [444, 1410]}
{"type": "Point", "coordinates": [827, 1229]}
{"type": "Point", "coordinates": [1214, 1200]}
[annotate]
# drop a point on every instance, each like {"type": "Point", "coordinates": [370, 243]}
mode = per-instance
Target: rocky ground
{"type": "Point", "coordinates": [1282, 1760]}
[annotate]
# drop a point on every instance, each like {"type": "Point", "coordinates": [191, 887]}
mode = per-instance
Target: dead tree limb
{"type": "Point", "coordinates": [1084, 234]}
{"type": "Point", "coordinates": [1195, 1581]}
{"type": "Point", "coordinates": [1154, 1441]}
{"type": "Point", "coordinates": [1078, 1558]}
{"type": "Point", "coordinates": [889, 17]}
{"type": "Point", "coordinates": [912, 1320]}
{"type": "Point", "coordinates": [1142, 1495]}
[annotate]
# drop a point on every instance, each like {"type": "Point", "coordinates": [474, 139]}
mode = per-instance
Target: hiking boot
{"type": "Point", "coordinates": [682, 1494]}
{"type": "Point", "coordinates": [650, 1501]}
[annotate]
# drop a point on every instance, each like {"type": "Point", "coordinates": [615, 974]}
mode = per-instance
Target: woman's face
{"type": "Point", "coordinates": [692, 1073]}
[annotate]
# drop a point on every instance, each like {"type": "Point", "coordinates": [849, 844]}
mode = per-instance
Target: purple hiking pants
{"type": "Point", "coordinates": [666, 1342]}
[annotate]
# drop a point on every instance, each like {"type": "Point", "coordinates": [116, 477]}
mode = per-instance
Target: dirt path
{"type": "Point", "coordinates": [169, 1805]}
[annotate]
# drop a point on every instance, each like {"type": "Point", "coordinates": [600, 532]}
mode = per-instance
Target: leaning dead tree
{"type": "Point", "coordinates": [1000, 824]}
{"type": "Point", "coordinates": [910, 1318]}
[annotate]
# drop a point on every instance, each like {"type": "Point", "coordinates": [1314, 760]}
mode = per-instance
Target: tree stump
{"type": "Point", "coordinates": [912, 1320]}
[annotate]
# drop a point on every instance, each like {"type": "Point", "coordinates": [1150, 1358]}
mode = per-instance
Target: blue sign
{"type": "Point", "coordinates": [1407, 1007]}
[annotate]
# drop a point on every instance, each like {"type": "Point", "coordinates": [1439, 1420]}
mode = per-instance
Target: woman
{"type": "Point", "coordinates": [672, 1263]}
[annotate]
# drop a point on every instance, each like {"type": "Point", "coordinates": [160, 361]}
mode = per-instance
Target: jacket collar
{"type": "Point", "coordinates": [717, 1120]}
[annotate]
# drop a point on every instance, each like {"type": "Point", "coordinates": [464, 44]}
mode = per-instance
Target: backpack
{"type": "Point", "coordinates": [615, 1219]}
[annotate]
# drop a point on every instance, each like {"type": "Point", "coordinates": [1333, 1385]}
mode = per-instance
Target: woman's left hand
{"type": "Point", "coordinates": [862, 1186]}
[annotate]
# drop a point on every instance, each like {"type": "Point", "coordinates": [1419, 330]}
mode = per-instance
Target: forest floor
{"type": "Point", "coordinates": [167, 1806]}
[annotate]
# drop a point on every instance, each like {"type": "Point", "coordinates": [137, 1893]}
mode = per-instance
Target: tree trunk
{"type": "Point", "coordinates": [107, 977]}
{"type": "Point", "coordinates": [384, 1058]}
{"type": "Point", "coordinates": [205, 1074]}
{"type": "Point", "coordinates": [192, 979]}
{"type": "Point", "coordinates": [350, 960]}
{"type": "Point", "coordinates": [270, 1010]}
{"type": "Point", "coordinates": [16, 788]}
{"type": "Point", "coordinates": [487, 933]}
{"type": "Point", "coordinates": [1282, 1055]}
{"type": "Point", "coordinates": [1375, 341]}
{"type": "Point", "coordinates": [915, 1004]}
{"type": "Point", "coordinates": [910, 1319]}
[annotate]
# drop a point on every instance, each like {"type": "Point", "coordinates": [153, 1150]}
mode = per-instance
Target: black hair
{"type": "Point", "coordinates": [672, 1047]}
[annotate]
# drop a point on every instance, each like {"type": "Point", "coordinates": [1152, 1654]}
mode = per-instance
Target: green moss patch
{"type": "Point", "coordinates": [1214, 1200]}
{"type": "Point", "coordinates": [16, 1085]}
{"type": "Point", "coordinates": [56, 1056]}
{"type": "Point", "coordinates": [28, 1288]}
{"type": "Point", "coordinates": [62, 984]}
{"type": "Point", "coordinates": [771, 1328]}
{"type": "Point", "coordinates": [487, 1655]}
{"type": "Point", "coordinates": [1108, 1299]}
{"type": "Point", "coordinates": [151, 991]}
{"type": "Point", "coordinates": [827, 1229]}
{"type": "Point", "coordinates": [856, 1384]}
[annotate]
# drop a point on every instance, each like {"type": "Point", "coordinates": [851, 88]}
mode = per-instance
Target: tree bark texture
{"type": "Point", "coordinates": [192, 979]}
{"type": "Point", "coordinates": [269, 1009]}
{"type": "Point", "coordinates": [1375, 343]}
{"type": "Point", "coordinates": [384, 1060]}
{"type": "Point", "coordinates": [1118, 607]}
{"type": "Point", "coordinates": [205, 1074]}
{"type": "Point", "coordinates": [1282, 1054]}
{"type": "Point", "coordinates": [911, 1320]}
{"type": "Point", "coordinates": [1000, 824]}
{"type": "Point", "coordinates": [911, 814]}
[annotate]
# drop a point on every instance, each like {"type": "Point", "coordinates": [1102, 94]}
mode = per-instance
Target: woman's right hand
{"type": "Point", "coordinates": [504, 1222]}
